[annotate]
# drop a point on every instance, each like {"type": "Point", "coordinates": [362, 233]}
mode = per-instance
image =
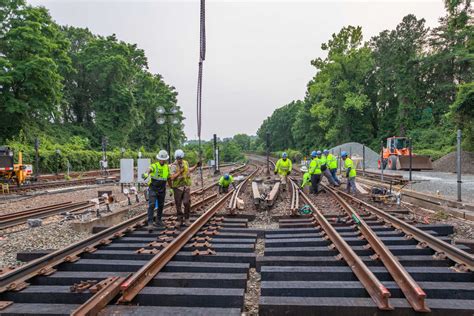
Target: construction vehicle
{"type": "Point", "coordinates": [396, 156]}
{"type": "Point", "coordinates": [11, 172]}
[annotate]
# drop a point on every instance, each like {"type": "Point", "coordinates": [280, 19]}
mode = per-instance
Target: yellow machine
{"type": "Point", "coordinates": [11, 172]}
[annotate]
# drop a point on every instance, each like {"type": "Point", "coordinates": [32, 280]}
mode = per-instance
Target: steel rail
{"type": "Point", "coordinates": [464, 260]}
{"type": "Point", "coordinates": [377, 291]}
{"type": "Point", "coordinates": [410, 288]}
{"type": "Point", "coordinates": [133, 285]}
{"type": "Point", "coordinates": [16, 278]}
{"type": "Point", "coordinates": [19, 218]}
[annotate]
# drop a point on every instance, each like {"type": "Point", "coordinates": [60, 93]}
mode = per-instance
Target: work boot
{"type": "Point", "coordinates": [150, 227]}
{"type": "Point", "coordinates": [159, 223]}
{"type": "Point", "coordinates": [187, 222]}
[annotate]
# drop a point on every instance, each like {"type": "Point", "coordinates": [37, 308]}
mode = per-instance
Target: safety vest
{"type": "Point", "coordinates": [348, 163]}
{"type": "Point", "coordinates": [315, 166]}
{"type": "Point", "coordinates": [159, 172]}
{"type": "Point", "coordinates": [306, 180]}
{"type": "Point", "coordinates": [225, 183]}
{"type": "Point", "coordinates": [283, 166]}
{"type": "Point", "coordinates": [331, 161]}
{"type": "Point", "coordinates": [184, 178]}
{"type": "Point", "coordinates": [323, 159]}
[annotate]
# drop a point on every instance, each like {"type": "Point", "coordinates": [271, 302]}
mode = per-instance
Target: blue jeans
{"type": "Point", "coordinates": [351, 185]}
{"type": "Point", "coordinates": [334, 176]}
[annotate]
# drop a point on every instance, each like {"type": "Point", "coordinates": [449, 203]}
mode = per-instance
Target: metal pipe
{"type": "Point", "coordinates": [363, 160]}
{"type": "Point", "coordinates": [381, 163]}
{"type": "Point", "coordinates": [458, 164]}
{"type": "Point", "coordinates": [411, 156]}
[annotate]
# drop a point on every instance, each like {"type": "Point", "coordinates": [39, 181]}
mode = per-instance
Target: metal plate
{"type": "Point", "coordinates": [126, 171]}
{"type": "Point", "coordinates": [142, 167]}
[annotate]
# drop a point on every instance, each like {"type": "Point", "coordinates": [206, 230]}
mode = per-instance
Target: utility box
{"type": "Point", "coordinates": [126, 171]}
{"type": "Point", "coordinates": [143, 164]}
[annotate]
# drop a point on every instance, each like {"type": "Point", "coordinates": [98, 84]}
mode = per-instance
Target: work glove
{"type": "Point", "coordinates": [289, 172]}
{"type": "Point", "coordinates": [171, 192]}
{"type": "Point", "coordinates": [144, 176]}
{"type": "Point", "coordinates": [199, 163]}
{"type": "Point", "coordinates": [275, 172]}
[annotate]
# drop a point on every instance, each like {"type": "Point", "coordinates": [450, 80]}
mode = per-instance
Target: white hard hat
{"type": "Point", "coordinates": [179, 154]}
{"type": "Point", "coordinates": [162, 155]}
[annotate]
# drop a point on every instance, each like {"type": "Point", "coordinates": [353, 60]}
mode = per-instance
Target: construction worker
{"type": "Point", "coordinates": [181, 183]}
{"type": "Point", "coordinates": [306, 180]}
{"type": "Point", "coordinates": [158, 175]}
{"type": "Point", "coordinates": [224, 182]}
{"type": "Point", "coordinates": [283, 167]}
{"type": "Point", "coordinates": [315, 171]}
{"type": "Point", "coordinates": [325, 169]}
{"type": "Point", "coordinates": [350, 173]}
{"type": "Point", "coordinates": [332, 165]}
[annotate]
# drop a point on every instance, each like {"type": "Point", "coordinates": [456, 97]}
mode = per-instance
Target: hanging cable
{"type": "Point", "coordinates": [202, 57]}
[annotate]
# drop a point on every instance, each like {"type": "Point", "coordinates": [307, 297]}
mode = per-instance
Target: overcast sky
{"type": "Point", "coordinates": [258, 52]}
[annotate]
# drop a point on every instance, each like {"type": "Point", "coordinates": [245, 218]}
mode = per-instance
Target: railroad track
{"type": "Point", "coordinates": [18, 218]}
{"type": "Point", "coordinates": [124, 259]}
{"type": "Point", "coordinates": [48, 185]}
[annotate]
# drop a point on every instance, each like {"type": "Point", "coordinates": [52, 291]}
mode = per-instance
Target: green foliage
{"type": "Point", "coordinates": [403, 82]}
{"type": "Point", "coordinates": [60, 82]}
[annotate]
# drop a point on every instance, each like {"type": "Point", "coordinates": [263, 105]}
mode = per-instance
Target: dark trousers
{"type": "Point", "coordinates": [153, 197]}
{"type": "Point", "coordinates": [223, 189]}
{"type": "Point", "coordinates": [315, 178]}
{"type": "Point", "coordinates": [182, 196]}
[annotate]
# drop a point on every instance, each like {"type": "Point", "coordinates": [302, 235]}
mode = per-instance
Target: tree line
{"type": "Point", "coordinates": [57, 82]}
{"type": "Point", "coordinates": [411, 81]}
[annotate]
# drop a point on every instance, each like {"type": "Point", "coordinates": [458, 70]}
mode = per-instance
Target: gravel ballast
{"type": "Point", "coordinates": [447, 163]}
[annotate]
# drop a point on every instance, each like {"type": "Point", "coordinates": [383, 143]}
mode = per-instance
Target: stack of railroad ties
{"type": "Point", "coordinates": [412, 290]}
{"type": "Point", "coordinates": [170, 241]}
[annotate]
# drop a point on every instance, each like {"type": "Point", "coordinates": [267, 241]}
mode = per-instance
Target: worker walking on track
{"type": "Point", "coordinates": [324, 167]}
{"type": "Point", "coordinates": [224, 182]}
{"type": "Point", "coordinates": [332, 166]}
{"type": "Point", "coordinates": [283, 167]}
{"type": "Point", "coordinates": [350, 173]}
{"type": "Point", "coordinates": [181, 183]}
{"type": "Point", "coordinates": [159, 176]}
{"type": "Point", "coordinates": [315, 172]}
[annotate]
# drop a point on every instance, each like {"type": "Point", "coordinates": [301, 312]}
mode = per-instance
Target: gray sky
{"type": "Point", "coordinates": [258, 52]}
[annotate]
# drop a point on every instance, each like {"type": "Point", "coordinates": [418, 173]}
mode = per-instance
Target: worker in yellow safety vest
{"type": "Point", "coordinates": [181, 185]}
{"type": "Point", "coordinates": [350, 173]}
{"type": "Point", "coordinates": [315, 171]}
{"type": "Point", "coordinates": [224, 182]}
{"type": "Point", "coordinates": [158, 175]}
{"type": "Point", "coordinates": [332, 166]}
{"type": "Point", "coordinates": [325, 169]}
{"type": "Point", "coordinates": [283, 168]}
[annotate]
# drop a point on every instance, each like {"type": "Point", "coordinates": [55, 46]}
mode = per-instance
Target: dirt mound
{"type": "Point", "coordinates": [447, 163]}
{"type": "Point", "coordinates": [355, 149]}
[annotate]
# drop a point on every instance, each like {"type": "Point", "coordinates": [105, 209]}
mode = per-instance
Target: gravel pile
{"type": "Point", "coordinates": [371, 157]}
{"type": "Point", "coordinates": [447, 163]}
{"type": "Point", "coordinates": [52, 236]}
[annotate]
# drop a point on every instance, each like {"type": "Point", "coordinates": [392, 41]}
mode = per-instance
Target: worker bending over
{"type": "Point", "coordinates": [306, 180]}
{"type": "Point", "coordinates": [159, 176]}
{"type": "Point", "coordinates": [224, 182]}
{"type": "Point", "coordinates": [181, 183]}
{"type": "Point", "coordinates": [283, 168]}
{"type": "Point", "coordinates": [332, 166]}
{"type": "Point", "coordinates": [315, 172]}
{"type": "Point", "coordinates": [350, 173]}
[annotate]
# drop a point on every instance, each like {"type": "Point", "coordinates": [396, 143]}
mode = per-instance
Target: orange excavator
{"type": "Point", "coordinates": [396, 156]}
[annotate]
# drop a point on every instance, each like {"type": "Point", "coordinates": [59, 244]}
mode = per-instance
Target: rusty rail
{"type": "Point", "coordinates": [412, 290]}
{"type": "Point", "coordinates": [464, 261]}
{"type": "Point", "coordinates": [377, 291]}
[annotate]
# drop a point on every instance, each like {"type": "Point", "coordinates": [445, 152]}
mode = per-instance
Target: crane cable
{"type": "Point", "coordinates": [202, 57]}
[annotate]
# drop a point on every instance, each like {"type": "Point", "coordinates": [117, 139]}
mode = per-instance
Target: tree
{"type": "Point", "coordinates": [33, 54]}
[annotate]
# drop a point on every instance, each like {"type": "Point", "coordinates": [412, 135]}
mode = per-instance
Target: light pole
{"type": "Point", "coordinates": [167, 117]}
